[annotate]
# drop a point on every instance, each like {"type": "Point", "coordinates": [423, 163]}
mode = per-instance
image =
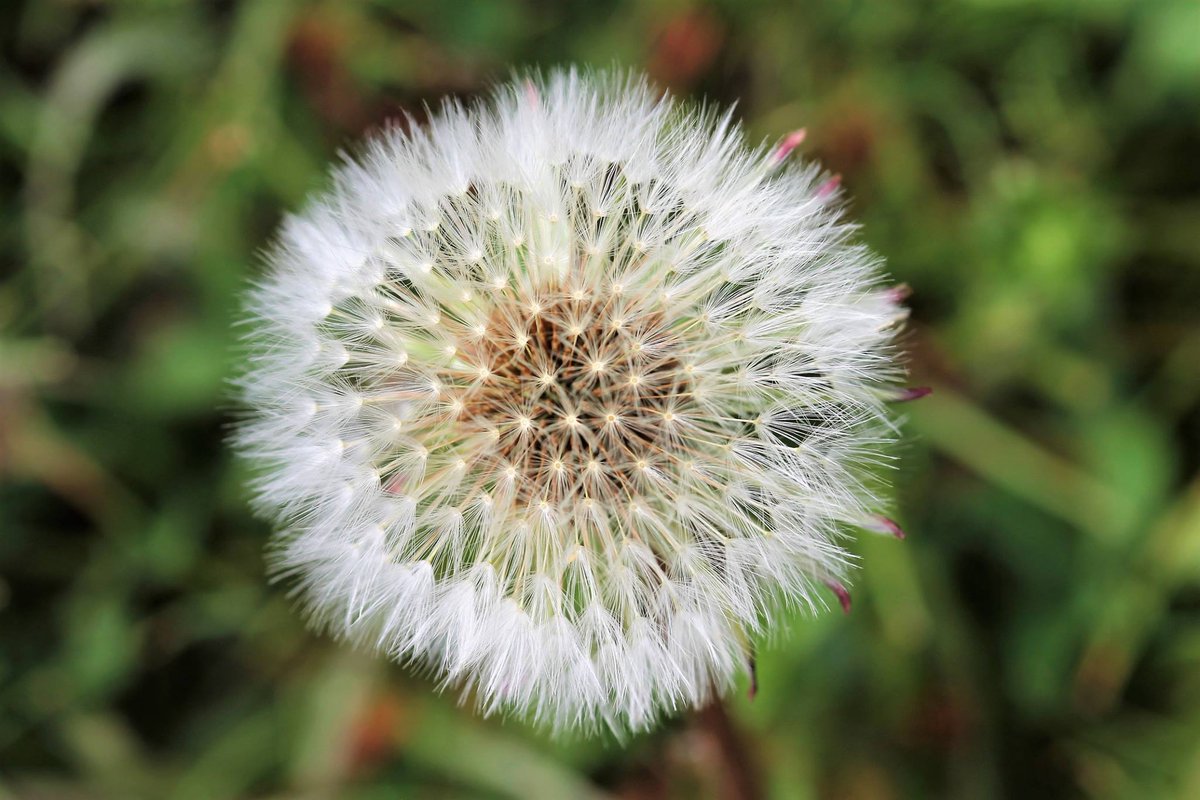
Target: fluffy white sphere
{"type": "Point", "coordinates": [564, 395]}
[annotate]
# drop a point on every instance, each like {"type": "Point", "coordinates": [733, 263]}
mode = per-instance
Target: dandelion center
{"type": "Point", "coordinates": [556, 412]}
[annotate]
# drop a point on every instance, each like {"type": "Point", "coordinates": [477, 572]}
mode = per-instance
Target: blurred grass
{"type": "Point", "coordinates": [1031, 167]}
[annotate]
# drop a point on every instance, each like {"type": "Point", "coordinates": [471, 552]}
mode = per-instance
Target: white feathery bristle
{"type": "Point", "coordinates": [565, 395]}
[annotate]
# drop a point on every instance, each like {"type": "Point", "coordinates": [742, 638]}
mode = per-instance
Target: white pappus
{"type": "Point", "coordinates": [565, 395]}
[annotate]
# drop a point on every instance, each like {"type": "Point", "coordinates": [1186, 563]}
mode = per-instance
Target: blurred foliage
{"type": "Point", "coordinates": [1031, 167]}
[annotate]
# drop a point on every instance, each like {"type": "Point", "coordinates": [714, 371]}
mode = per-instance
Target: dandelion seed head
{"type": "Point", "coordinates": [589, 398]}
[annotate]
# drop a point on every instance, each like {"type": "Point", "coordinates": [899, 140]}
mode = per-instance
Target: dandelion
{"type": "Point", "coordinates": [566, 395]}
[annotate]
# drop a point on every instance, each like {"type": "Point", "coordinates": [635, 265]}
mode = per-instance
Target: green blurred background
{"type": "Point", "coordinates": [1032, 169]}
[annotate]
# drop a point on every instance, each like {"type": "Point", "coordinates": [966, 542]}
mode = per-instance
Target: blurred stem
{"type": "Point", "coordinates": [31, 448]}
{"type": "Point", "coordinates": [1074, 381]}
{"type": "Point", "coordinates": [739, 777]}
{"type": "Point", "coordinates": [978, 441]}
{"type": "Point", "coordinates": [487, 760]}
{"type": "Point", "coordinates": [79, 90]}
